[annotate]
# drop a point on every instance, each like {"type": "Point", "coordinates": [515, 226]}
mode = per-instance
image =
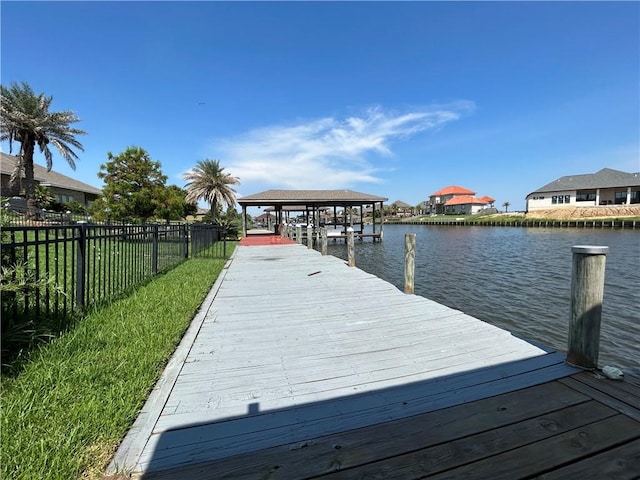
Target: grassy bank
{"type": "Point", "coordinates": [65, 414]}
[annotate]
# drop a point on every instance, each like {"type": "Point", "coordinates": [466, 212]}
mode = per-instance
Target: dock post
{"type": "Point", "coordinates": [351, 254]}
{"type": "Point", "coordinates": [587, 292]}
{"type": "Point", "coordinates": [323, 240]}
{"type": "Point", "coordinates": [309, 236]}
{"type": "Point", "coordinates": [409, 261]}
{"type": "Point", "coordinates": [299, 234]}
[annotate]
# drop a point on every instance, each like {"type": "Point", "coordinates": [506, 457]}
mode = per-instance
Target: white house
{"type": "Point", "coordinates": [605, 187]}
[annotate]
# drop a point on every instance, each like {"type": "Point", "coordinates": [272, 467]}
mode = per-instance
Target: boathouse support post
{"type": "Point", "coordinates": [409, 261]}
{"type": "Point", "coordinates": [587, 292]}
{"type": "Point", "coordinates": [299, 234]}
{"type": "Point", "coordinates": [351, 254]}
{"type": "Point", "coordinates": [309, 236]}
{"type": "Point", "coordinates": [244, 220]}
{"type": "Point", "coordinates": [323, 240]}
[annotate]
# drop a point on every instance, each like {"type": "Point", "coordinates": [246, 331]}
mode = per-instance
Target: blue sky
{"type": "Point", "coordinates": [392, 99]}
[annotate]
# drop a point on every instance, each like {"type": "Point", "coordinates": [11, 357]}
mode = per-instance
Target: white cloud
{"type": "Point", "coordinates": [328, 153]}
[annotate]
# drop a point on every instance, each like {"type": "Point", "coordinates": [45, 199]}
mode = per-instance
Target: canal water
{"type": "Point", "coordinates": [516, 278]}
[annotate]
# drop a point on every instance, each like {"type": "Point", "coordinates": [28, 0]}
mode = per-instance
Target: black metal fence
{"type": "Point", "coordinates": [52, 271]}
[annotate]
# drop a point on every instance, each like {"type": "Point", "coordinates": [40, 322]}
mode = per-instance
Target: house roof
{"type": "Point", "coordinates": [605, 178]}
{"type": "Point", "coordinates": [309, 197]}
{"type": "Point", "coordinates": [453, 190]}
{"type": "Point", "coordinates": [465, 200]}
{"type": "Point", "coordinates": [46, 178]}
{"type": "Point", "coordinates": [487, 198]}
{"type": "Point", "coordinates": [401, 204]}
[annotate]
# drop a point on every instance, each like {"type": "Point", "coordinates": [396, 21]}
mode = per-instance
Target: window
{"type": "Point", "coordinates": [635, 196]}
{"type": "Point", "coordinates": [554, 199]}
{"type": "Point", "coordinates": [560, 199]}
{"type": "Point", "coordinates": [567, 199]}
{"type": "Point", "coordinates": [586, 196]}
{"type": "Point", "coordinates": [621, 198]}
{"type": "Point", "coordinates": [62, 198]}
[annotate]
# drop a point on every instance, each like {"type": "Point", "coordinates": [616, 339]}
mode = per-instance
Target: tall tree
{"type": "Point", "coordinates": [506, 206]}
{"type": "Point", "coordinates": [26, 119]}
{"type": "Point", "coordinates": [133, 185]}
{"type": "Point", "coordinates": [209, 182]}
{"type": "Point", "coordinates": [171, 204]}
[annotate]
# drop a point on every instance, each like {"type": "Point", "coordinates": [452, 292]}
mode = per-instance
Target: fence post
{"type": "Point", "coordinates": [154, 249]}
{"type": "Point", "coordinates": [81, 276]}
{"type": "Point", "coordinates": [323, 240]}
{"type": "Point", "coordinates": [185, 240]}
{"type": "Point", "coordinates": [224, 244]}
{"type": "Point", "coordinates": [351, 254]}
{"type": "Point", "coordinates": [587, 292]}
{"type": "Point", "coordinates": [409, 261]}
{"type": "Point", "coordinates": [299, 234]}
{"type": "Point", "coordinates": [309, 236]}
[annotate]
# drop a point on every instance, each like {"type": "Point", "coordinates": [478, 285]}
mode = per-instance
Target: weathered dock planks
{"type": "Point", "coordinates": [292, 350]}
{"type": "Point", "coordinates": [549, 431]}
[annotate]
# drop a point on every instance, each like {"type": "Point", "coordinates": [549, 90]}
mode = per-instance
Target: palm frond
{"type": "Point", "coordinates": [208, 181]}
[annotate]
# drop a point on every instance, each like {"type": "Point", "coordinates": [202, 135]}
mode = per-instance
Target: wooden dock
{"type": "Point", "coordinates": [298, 366]}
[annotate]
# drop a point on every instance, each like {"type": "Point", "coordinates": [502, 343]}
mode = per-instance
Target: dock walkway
{"type": "Point", "coordinates": [298, 366]}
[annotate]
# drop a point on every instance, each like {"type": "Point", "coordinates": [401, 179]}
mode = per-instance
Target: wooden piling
{"type": "Point", "coordinates": [323, 240]}
{"type": "Point", "coordinates": [309, 236]}
{"type": "Point", "coordinates": [409, 261]}
{"type": "Point", "coordinates": [351, 254]}
{"type": "Point", "coordinates": [299, 234]}
{"type": "Point", "coordinates": [587, 292]}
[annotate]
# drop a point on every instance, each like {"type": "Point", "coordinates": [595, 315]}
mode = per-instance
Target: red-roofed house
{"type": "Point", "coordinates": [464, 205]}
{"type": "Point", "coordinates": [457, 200]}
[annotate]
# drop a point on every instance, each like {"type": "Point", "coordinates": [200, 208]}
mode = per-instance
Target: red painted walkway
{"type": "Point", "coordinates": [265, 240]}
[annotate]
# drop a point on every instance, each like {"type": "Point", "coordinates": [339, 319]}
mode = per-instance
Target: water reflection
{"type": "Point", "coordinates": [516, 278]}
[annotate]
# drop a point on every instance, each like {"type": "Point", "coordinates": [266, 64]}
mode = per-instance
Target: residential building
{"type": "Point", "coordinates": [64, 189]}
{"type": "Point", "coordinates": [198, 216]}
{"type": "Point", "coordinates": [457, 200]}
{"type": "Point", "coordinates": [401, 209]}
{"type": "Point", "coordinates": [605, 187]}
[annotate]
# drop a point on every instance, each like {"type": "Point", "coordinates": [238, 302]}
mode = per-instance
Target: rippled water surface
{"type": "Point", "coordinates": [516, 278]}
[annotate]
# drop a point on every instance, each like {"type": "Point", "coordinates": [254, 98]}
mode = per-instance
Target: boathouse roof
{"type": "Point", "coordinates": [309, 197]}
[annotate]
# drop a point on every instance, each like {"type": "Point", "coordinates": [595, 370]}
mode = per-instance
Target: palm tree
{"type": "Point", "coordinates": [26, 119]}
{"type": "Point", "coordinates": [208, 181]}
{"type": "Point", "coordinates": [506, 206]}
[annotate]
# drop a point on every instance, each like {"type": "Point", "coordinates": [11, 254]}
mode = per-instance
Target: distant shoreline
{"type": "Point", "coordinates": [562, 214]}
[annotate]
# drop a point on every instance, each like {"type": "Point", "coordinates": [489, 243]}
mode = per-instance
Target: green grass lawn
{"type": "Point", "coordinates": [66, 412]}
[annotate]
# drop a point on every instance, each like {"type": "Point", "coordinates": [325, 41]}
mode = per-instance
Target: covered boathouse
{"type": "Point", "coordinates": [313, 202]}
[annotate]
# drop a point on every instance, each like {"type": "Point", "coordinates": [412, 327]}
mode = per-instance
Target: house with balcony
{"type": "Point", "coordinates": [457, 200]}
{"type": "Point", "coordinates": [605, 187]}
